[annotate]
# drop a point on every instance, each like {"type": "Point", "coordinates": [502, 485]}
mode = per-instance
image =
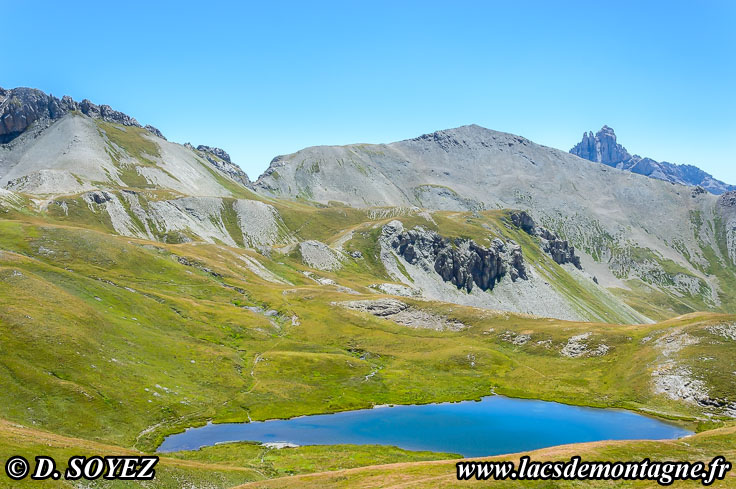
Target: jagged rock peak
{"type": "Point", "coordinates": [220, 153]}
{"type": "Point", "coordinates": [601, 147]}
{"type": "Point", "coordinates": [222, 162]}
{"type": "Point", "coordinates": [21, 107]}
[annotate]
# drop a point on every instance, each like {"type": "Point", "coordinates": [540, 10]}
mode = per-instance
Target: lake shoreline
{"type": "Point", "coordinates": [534, 419]}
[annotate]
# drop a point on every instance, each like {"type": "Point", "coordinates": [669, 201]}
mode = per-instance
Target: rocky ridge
{"type": "Point", "coordinates": [21, 107]}
{"type": "Point", "coordinates": [220, 159]}
{"type": "Point", "coordinates": [602, 147]}
{"type": "Point", "coordinates": [219, 152]}
{"type": "Point", "coordinates": [606, 214]}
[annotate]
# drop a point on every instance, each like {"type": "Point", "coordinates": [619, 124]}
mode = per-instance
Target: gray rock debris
{"type": "Point", "coordinates": [396, 289]}
{"type": "Point", "coordinates": [318, 255]}
{"type": "Point", "coordinates": [516, 339]}
{"type": "Point", "coordinates": [464, 265]}
{"type": "Point", "coordinates": [677, 381]}
{"type": "Point", "coordinates": [404, 314]}
{"type": "Point", "coordinates": [577, 346]}
{"type": "Point", "coordinates": [727, 330]}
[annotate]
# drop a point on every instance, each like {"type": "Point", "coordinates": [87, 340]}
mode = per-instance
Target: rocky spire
{"type": "Point", "coordinates": [601, 147]}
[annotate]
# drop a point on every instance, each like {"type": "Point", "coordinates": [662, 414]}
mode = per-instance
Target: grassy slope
{"type": "Point", "coordinates": [217, 467]}
{"type": "Point", "coordinates": [131, 147]}
{"type": "Point", "coordinates": [170, 473]}
{"type": "Point", "coordinates": [244, 465]}
{"type": "Point", "coordinates": [103, 308]}
{"type": "Point", "coordinates": [112, 339]}
{"type": "Point", "coordinates": [704, 446]}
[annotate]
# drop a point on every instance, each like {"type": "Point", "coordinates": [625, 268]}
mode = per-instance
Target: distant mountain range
{"type": "Point", "coordinates": [147, 286]}
{"type": "Point", "coordinates": [630, 234]}
{"type": "Point", "coordinates": [603, 148]}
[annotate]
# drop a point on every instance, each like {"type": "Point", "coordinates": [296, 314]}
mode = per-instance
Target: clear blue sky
{"type": "Point", "coordinates": [267, 78]}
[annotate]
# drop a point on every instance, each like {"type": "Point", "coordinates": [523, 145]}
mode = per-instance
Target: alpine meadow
{"type": "Point", "coordinates": [350, 303]}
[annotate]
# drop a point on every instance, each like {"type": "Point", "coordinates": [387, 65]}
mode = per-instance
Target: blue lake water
{"type": "Point", "coordinates": [492, 426]}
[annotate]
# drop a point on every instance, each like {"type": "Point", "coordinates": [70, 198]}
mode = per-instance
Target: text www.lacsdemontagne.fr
{"type": "Point", "coordinates": [664, 473]}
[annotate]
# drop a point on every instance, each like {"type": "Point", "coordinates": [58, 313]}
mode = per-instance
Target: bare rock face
{"type": "Point", "coordinates": [466, 264]}
{"type": "Point", "coordinates": [106, 113]}
{"type": "Point", "coordinates": [601, 147]}
{"type": "Point", "coordinates": [559, 249]}
{"type": "Point", "coordinates": [21, 107]}
{"type": "Point", "coordinates": [524, 221]}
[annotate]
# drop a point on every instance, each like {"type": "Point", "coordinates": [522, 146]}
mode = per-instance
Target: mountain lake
{"type": "Point", "coordinates": [492, 426]}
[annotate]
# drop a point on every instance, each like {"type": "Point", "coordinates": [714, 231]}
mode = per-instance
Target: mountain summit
{"type": "Point", "coordinates": [21, 107]}
{"type": "Point", "coordinates": [60, 146]}
{"type": "Point", "coordinates": [603, 148]}
{"type": "Point", "coordinates": [610, 240]}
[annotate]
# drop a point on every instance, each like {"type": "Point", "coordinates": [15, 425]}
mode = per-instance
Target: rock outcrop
{"type": "Point", "coordinates": [220, 159]}
{"type": "Point", "coordinates": [155, 131]}
{"type": "Point", "coordinates": [21, 107]}
{"type": "Point", "coordinates": [560, 250]}
{"type": "Point", "coordinates": [524, 221]}
{"type": "Point", "coordinates": [104, 112]}
{"type": "Point", "coordinates": [220, 153]}
{"type": "Point", "coordinates": [463, 263]}
{"type": "Point", "coordinates": [602, 147]}
{"type": "Point", "coordinates": [726, 208]}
